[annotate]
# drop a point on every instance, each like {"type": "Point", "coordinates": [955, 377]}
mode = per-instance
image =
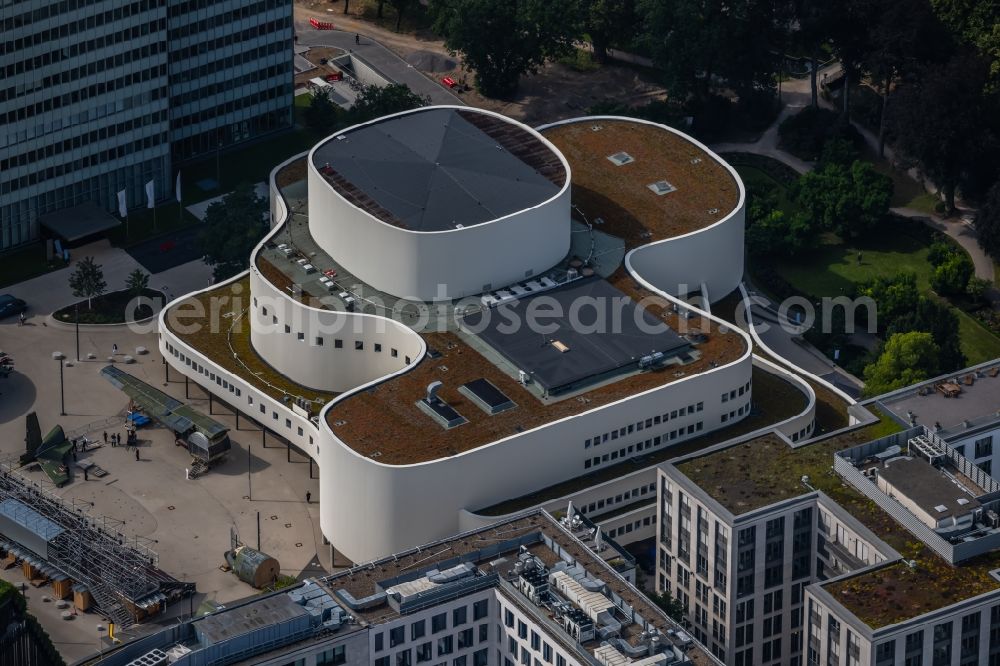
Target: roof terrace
{"type": "Point", "coordinates": [616, 166]}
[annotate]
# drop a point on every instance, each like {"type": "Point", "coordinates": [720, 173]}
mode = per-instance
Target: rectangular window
{"type": "Point", "coordinates": [338, 344]}
{"type": "Point", "coordinates": [397, 635]}
{"type": "Point", "coordinates": [378, 347]}
{"type": "Point", "coordinates": [439, 622]}
{"type": "Point", "coordinates": [417, 630]}
{"type": "Point", "coordinates": [480, 609]}
{"type": "Point", "coordinates": [359, 345]}
{"type": "Point", "coordinates": [458, 616]}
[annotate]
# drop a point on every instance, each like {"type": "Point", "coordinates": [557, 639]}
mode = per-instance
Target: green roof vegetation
{"type": "Point", "coordinates": [763, 471]}
{"type": "Point", "coordinates": [219, 330]}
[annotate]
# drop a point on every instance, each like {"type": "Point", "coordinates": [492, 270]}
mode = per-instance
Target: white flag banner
{"type": "Point", "coordinates": [150, 195]}
{"type": "Point", "coordinates": [177, 187]}
{"type": "Point", "coordinates": [122, 205]}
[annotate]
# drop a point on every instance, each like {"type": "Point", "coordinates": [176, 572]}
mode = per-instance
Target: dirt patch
{"type": "Point", "coordinates": [430, 61]}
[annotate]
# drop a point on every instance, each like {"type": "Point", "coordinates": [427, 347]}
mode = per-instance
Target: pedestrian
{"type": "Point", "coordinates": [84, 473]}
{"type": "Point", "coordinates": [20, 319]}
{"type": "Point", "coordinates": [357, 38]}
{"type": "Point", "coordinates": [859, 257]}
{"type": "Point", "coordinates": [187, 474]}
{"type": "Point", "coordinates": [105, 436]}
{"type": "Point", "coordinates": [308, 496]}
{"type": "Point", "coordinates": [137, 453]}
{"type": "Point", "coordinates": [74, 456]}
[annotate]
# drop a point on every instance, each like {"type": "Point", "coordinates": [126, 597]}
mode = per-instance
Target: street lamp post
{"type": "Point", "coordinates": [59, 356]}
{"type": "Point", "coordinates": [76, 316]}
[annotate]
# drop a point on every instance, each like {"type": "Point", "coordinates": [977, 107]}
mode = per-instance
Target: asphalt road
{"type": "Point", "coordinates": [155, 256]}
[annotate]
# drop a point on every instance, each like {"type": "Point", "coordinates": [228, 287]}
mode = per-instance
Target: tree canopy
{"type": "Point", "coordinates": [502, 41]}
{"type": "Point", "coordinates": [848, 200]}
{"type": "Point", "coordinates": [988, 223]}
{"type": "Point", "coordinates": [231, 229]}
{"type": "Point", "coordinates": [377, 101]}
{"type": "Point", "coordinates": [137, 282]}
{"type": "Point", "coordinates": [87, 280]}
{"type": "Point", "coordinates": [321, 114]}
{"type": "Point", "coordinates": [907, 358]}
{"type": "Point", "coordinates": [894, 297]}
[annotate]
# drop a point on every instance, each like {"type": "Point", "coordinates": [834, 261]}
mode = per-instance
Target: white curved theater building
{"type": "Point", "coordinates": [386, 334]}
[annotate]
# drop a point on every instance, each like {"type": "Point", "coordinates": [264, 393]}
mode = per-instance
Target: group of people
{"type": "Point", "coordinates": [131, 440]}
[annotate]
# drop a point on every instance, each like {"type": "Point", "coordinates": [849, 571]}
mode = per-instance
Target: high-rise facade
{"type": "Point", "coordinates": [100, 96]}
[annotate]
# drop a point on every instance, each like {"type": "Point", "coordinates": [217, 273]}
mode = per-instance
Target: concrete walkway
{"type": "Point", "coordinates": [47, 293]}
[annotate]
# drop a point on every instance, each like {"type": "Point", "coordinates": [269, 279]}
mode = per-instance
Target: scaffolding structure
{"type": "Point", "coordinates": [119, 571]}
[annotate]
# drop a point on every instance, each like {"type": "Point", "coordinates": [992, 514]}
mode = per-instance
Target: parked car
{"type": "Point", "coordinates": [11, 306]}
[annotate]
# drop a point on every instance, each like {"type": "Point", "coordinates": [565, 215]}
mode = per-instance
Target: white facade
{"type": "Point", "coordinates": [709, 258]}
{"type": "Point", "coordinates": [367, 507]}
{"type": "Point", "coordinates": [437, 265]}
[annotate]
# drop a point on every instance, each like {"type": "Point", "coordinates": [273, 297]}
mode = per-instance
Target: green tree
{"type": "Point", "coordinates": [377, 101]}
{"type": "Point", "coordinates": [846, 200]}
{"type": "Point", "coordinates": [87, 280]}
{"type": "Point", "coordinates": [894, 297]}
{"type": "Point", "coordinates": [931, 316]}
{"type": "Point", "coordinates": [906, 358]}
{"type": "Point", "coordinates": [137, 282]}
{"type": "Point", "coordinates": [321, 114]}
{"type": "Point", "coordinates": [231, 229]}
{"type": "Point", "coordinates": [604, 20]}
{"type": "Point", "coordinates": [504, 40]}
{"type": "Point", "coordinates": [988, 223]}
{"type": "Point", "coordinates": [672, 607]}
{"type": "Point", "coordinates": [951, 277]}
{"type": "Point", "coordinates": [694, 42]}
{"type": "Point", "coordinates": [903, 35]}
{"type": "Point", "coordinates": [401, 6]}
{"type": "Point", "coordinates": [940, 120]}
{"type": "Point", "coordinates": [977, 23]}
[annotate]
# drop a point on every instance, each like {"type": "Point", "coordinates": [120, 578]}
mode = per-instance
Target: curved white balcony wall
{"type": "Point", "coordinates": [431, 265]}
{"type": "Point", "coordinates": [247, 397]}
{"type": "Point", "coordinates": [370, 509]}
{"type": "Point", "coordinates": [712, 256]}
{"type": "Point", "coordinates": [324, 349]}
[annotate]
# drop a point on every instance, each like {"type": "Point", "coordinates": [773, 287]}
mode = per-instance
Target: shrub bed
{"type": "Point", "coordinates": [110, 308]}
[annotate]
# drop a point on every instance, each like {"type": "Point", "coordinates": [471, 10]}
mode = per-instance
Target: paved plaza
{"type": "Point", "coordinates": [189, 521]}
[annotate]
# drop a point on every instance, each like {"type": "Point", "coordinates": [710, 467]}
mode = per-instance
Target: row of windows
{"type": "Point", "coordinates": [736, 413]}
{"type": "Point", "coordinates": [63, 29]}
{"type": "Point", "coordinates": [438, 623]}
{"type": "Point", "coordinates": [620, 498]}
{"type": "Point", "coordinates": [338, 343]}
{"type": "Point", "coordinates": [210, 140]}
{"type": "Point", "coordinates": [223, 18]}
{"type": "Point", "coordinates": [79, 49]}
{"type": "Point", "coordinates": [180, 9]}
{"type": "Point", "coordinates": [228, 62]}
{"type": "Point", "coordinates": [726, 397]}
{"type": "Point", "coordinates": [216, 42]}
{"type": "Point", "coordinates": [803, 433]}
{"type": "Point", "coordinates": [203, 115]}
{"type": "Point", "coordinates": [629, 527]}
{"type": "Point", "coordinates": [636, 449]}
{"type": "Point", "coordinates": [101, 157]}
{"type": "Point", "coordinates": [520, 650]}
{"type": "Point", "coordinates": [216, 87]}
{"type": "Point", "coordinates": [102, 134]}
{"type": "Point", "coordinates": [232, 388]}
{"type": "Point", "coordinates": [639, 426]}
{"type": "Point", "coordinates": [55, 10]}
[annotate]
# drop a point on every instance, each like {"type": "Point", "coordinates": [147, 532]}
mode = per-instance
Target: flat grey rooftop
{"type": "Point", "coordinates": [584, 330]}
{"type": "Point", "coordinates": [927, 487]}
{"type": "Point", "coordinates": [978, 403]}
{"type": "Point", "coordinates": [438, 168]}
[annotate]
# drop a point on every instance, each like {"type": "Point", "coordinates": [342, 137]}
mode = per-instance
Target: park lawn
{"type": "Point", "coordinates": [832, 268]}
{"type": "Point", "coordinates": [978, 344]}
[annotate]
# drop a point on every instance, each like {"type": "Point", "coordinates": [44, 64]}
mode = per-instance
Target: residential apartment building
{"type": "Point", "coordinates": [100, 96]}
{"type": "Point", "coordinates": [888, 559]}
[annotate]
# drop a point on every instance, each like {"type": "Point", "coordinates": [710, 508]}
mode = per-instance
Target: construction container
{"type": "Point", "coordinates": [254, 567]}
{"type": "Point", "coordinates": [62, 588]}
{"type": "Point", "coordinates": [81, 598]}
